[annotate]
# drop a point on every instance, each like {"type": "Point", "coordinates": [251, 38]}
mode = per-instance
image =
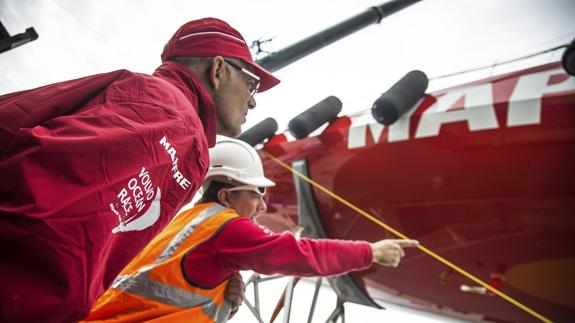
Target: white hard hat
{"type": "Point", "coordinates": [238, 161]}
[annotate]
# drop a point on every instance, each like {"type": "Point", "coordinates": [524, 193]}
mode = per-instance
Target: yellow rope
{"type": "Point", "coordinates": [401, 235]}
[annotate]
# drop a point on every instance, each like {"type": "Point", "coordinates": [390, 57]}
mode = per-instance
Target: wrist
{"type": "Point", "coordinates": [374, 253]}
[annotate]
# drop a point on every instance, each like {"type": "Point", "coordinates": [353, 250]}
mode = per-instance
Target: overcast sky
{"type": "Point", "coordinates": [78, 38]}
{"type": "Point", "coordinates": [436, 36]}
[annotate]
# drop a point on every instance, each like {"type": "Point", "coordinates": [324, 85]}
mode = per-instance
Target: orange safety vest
{"type": "Point", "coordinates": [153, 288]}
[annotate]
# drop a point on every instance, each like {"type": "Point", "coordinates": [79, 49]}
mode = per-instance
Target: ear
{"type": "Point", "coordinates": [217, 72]}
{"type": "Point", "coordinates": [223, 197]}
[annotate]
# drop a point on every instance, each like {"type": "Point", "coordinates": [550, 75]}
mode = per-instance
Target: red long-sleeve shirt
{"type": "Point", "coordinates": [244, 245]}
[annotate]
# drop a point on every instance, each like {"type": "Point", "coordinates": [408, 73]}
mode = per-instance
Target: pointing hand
{"type": "Point", "coordinates": [389, 252]}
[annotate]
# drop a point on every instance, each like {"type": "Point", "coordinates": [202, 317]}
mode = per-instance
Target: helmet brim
{"type": "Point", "coordinates": [257, 181]}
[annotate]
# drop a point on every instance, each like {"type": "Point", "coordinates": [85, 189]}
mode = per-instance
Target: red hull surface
{"type": "Point", "coordinates": [481, 174]}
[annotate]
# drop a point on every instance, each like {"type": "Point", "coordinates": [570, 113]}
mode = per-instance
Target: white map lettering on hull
{"type": "Point", "coordinates": [477, 110]}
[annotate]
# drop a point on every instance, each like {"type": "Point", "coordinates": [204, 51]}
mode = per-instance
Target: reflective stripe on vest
{"type": "Point", "coordinates": [185, 233]}
{"type": "Point", "coordinates": [141, 285]}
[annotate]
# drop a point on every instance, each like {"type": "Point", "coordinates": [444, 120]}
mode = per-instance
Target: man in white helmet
{"type": "Point", "coordinates": [183, 272]}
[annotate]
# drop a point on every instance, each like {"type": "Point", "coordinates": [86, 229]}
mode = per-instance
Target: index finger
{"type": "Point", "coordinates": [407, 243]}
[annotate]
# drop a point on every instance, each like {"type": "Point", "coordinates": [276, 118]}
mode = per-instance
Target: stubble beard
{"type": "Point", "coordinates": [224, 116]}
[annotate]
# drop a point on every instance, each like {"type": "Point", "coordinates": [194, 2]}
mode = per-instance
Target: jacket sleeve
{"type": "Point", "coordinates": [243, 245]}
{"type": "Point", "coordinates": [27, 109]}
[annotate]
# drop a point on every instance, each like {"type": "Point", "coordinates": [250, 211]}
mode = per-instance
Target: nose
{"type": "Point", "coordinates": [262, 206]}
{"type": "Point", "coordinates": [252, 102]}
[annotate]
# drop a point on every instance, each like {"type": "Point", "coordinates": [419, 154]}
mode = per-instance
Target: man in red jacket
{"type": "Point", "coordinates": [181, 275]}
{"type": "Point", "coordinates": [92, 169]}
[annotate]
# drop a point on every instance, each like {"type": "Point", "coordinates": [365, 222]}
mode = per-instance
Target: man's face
{"type": "Point", "coordinates": [233, 99]}
{"type": "Point", "coordinates": [247, 203]}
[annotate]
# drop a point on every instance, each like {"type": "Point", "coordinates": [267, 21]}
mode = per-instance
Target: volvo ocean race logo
{"type": "Point", "coordinates": [132, 200]}
{"type": "Point", "coordinates": [139, 192]}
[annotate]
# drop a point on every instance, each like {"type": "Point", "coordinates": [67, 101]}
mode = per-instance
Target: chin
{"type": "Point", "coordinates": [235, 132]}
{"type": "Point", "coordinates": [230, 133]}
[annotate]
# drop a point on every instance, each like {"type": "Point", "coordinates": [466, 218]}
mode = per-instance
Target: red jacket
{"type": "Point", "coordinates": [243, 245]}
{"type": "Point", "coordinates": [90, 170]}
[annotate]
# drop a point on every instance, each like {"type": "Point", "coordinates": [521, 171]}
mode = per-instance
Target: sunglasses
{"type": "Point", "coordinates": [258, 189]}
{"type": "Point", "coordinates": [253, 86]}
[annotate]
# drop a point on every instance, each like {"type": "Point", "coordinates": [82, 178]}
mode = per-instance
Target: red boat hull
{"type": "Point", "coordinates": [482, 174]}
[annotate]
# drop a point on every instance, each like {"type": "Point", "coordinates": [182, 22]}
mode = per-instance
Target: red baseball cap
{"type": "Point", "coordinates": [212, 37]}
